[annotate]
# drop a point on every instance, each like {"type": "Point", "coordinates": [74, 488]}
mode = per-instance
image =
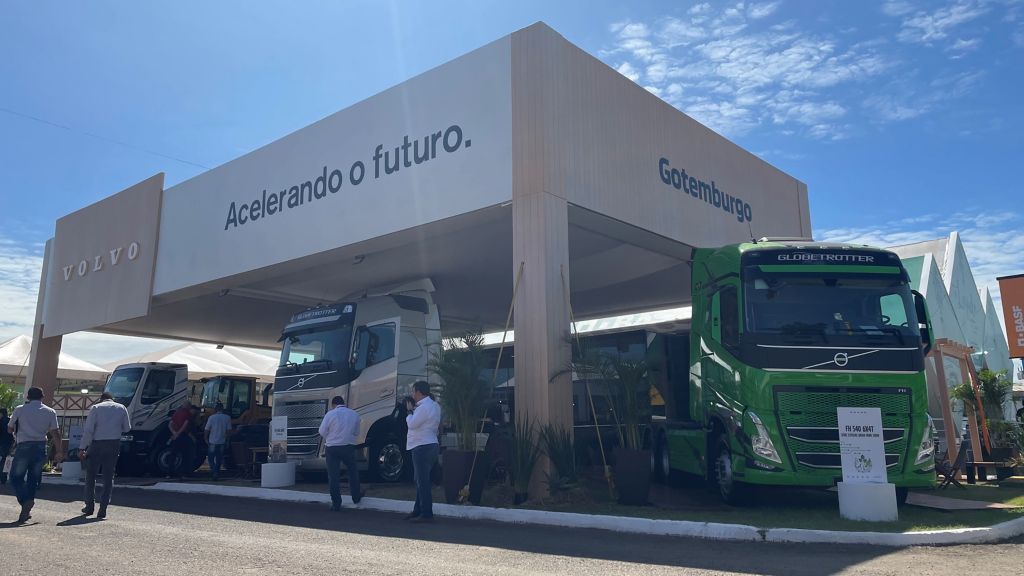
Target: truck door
{"type": "Point", "coordinates": [723, 320]}
{"type": "Point", "coordinates": [375, 366]}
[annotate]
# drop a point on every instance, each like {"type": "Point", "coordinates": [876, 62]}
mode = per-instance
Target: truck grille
{"type": "Point", "coordinates": [808, 416]}
{"type": "Point", "coordinates": [304, 419]}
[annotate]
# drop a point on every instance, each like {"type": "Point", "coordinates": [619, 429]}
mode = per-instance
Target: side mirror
{"type": "Point", "coordinates": [924, 322]}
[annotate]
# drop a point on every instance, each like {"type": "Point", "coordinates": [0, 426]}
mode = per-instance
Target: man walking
{"type": "Point", "coordinates": [423, 421]}
{"type": "Point", "coordinates": [6, 442]}
{"type": "Point", "coordinates": [340, 430]}
{"type": "Point", "coordinates": [100, 447]}
{"type": "Point", "coordinates": [218, 425]}
{"type": "Point", "coordinates": [33, 421]}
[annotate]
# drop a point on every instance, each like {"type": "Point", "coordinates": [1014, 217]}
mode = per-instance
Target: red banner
{"type": "Point", "coordinates": [1011, 288]}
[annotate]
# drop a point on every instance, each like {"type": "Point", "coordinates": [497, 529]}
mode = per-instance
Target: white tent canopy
{"type": "Point", "coordinates": [14, 354]}
{"type": "Point", "coordinates": [205, 360]}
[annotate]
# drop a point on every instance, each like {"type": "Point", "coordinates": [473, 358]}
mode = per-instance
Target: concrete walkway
{"type": "Point", "coordinates": [711, 530]}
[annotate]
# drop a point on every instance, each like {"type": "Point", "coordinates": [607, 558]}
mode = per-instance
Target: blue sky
{"type": "Point", "coordinates": [904, 118]}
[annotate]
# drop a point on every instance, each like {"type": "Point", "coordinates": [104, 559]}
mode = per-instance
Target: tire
{"type": "Point", "coordinates": [660, 464]}
{"type": "Point", "coordinates": [388, 460]}
{"type": "Point", "coordinates": [730, 490]}
{"type": "Point", "coordinates": [166, 462]}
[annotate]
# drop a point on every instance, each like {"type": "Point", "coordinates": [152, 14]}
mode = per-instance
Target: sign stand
{"type": "Point", "coordinates": [278, 472]}
{"type": "Point", "coordinates": [864, 493]}
{"type": "Point", "coordinates": [73, 470]}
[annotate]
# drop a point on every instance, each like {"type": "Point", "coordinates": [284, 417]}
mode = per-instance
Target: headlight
{"type": "Point", "coordinates": [926, 449]}
{"type": "Point", "coordinates": [127, 438]}
{"type": "Point", "coordinates": [761, 442]}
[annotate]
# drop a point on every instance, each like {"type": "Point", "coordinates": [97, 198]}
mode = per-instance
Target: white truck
{"type": "Point", "coordinates": [369, 351]}
{"type": "Point", "coordinates": [150, 391]}
{"type": "Point", "coordinates": [153, 390]}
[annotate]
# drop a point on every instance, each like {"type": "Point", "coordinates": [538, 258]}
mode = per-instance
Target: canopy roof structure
{"type": "Point", "coordinates": [206, 360]}
{"type": "Point", "coordinates": [14, 355]}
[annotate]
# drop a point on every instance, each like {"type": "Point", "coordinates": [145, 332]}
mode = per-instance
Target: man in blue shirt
{"type": "Point", "coordinates": [218, 426]}
{"type": "Point", "coordinates": [340, 430]}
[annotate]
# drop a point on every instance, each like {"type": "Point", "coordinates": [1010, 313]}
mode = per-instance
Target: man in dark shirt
{"type": "Point", "coordinates": [180, 441]}
{"type": "Point", "coordinates": [6, 442]}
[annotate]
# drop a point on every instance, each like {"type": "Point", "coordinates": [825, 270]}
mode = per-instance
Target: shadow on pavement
{"type": "Point", "coordinates": [79, 520]}
{"type": "Point", "coordinates": [748, 557]}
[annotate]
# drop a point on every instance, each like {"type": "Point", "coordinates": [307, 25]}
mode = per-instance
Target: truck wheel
{"type": "Point", "coordinates": [167, 462]}
{"type": "Point", "coordinates": [660, 464]}
{"type": "Point", "coordinates": [389, 462]}
{"type": "Point", "coordinates": [730, 490]}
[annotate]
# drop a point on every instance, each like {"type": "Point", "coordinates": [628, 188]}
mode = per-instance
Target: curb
{"type": "Point", "coordinates": [688, 528]}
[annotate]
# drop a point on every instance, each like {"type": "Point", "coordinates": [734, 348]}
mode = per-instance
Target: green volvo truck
{"type": "Point", "coordinates": [784, 332]}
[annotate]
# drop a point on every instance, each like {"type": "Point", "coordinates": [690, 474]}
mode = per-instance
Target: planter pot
{"type": "Point", "coordinates": [455, 469]}
{"type": "Point", "coordinates": [633, 475]}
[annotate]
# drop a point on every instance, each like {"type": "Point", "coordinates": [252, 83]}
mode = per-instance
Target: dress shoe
{"type": "Point", "coordinates": [26, 510]}
{"type": "Point", "coordinates": [335, 507]}
{"type": "Point", "coordinates": [422, 519]}
{"type": "Point", "coordinates": [102, 513]}
{"type": "Point", "coordinates": [88, 510]}
{"type": "Point", "coordinates": [412, 515]}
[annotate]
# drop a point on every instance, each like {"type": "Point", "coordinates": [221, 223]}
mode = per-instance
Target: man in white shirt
{"type": "Point", "coordinates": [31, 423]}
{"type": "Point", "coordinates": [423, 422]}
{"type": "Point", "coordinates": [100, 447]}
{"type": "Point", "coordinates": [218, 426]}
{"type": "Point", "coordinates": [340, 430]}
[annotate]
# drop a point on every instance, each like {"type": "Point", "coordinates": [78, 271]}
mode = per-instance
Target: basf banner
{"type": "Point", "coordinates": [1012, 290]}
{"type": "Point", "coordinates": [433, 147]}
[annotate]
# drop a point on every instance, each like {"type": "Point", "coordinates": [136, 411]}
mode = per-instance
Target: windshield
{"type": "Point", "coordinates": [831, 308]}
{"type": "Point", "coordinates": [123, 383]}
{"type": "Point", "coordinates": [319, 350]}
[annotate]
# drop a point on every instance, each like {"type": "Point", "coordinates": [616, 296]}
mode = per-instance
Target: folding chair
{"type": "Point", "coordinates": [950, 472]}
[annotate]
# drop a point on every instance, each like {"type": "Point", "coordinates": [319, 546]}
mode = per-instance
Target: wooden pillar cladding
{"type": "Point", "coordinates": [45, 352]}
{"type": "Point", "coordinates": [540, 238]}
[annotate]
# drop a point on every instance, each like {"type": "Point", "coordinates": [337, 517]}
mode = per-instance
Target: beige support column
{"type": "Point", "coordinates": [540, 239]}
{"type": "Point", "coordinates": [45, 353]}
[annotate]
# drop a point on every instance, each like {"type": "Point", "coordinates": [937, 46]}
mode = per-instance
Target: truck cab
{"type": "Point", "coordinates": [368, 351]}
{"type": "Point", "coordinates": [150, 391]}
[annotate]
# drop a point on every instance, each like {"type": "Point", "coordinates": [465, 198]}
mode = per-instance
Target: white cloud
{"type": "Point", "coordinates": [737, 78]}
{"type": "Point", "coordinates": [897, 8]}
{"type": "Point", "coordinates": [20, 267]}
{"type": "Point", "coordinates": [757, 11]}
{"type": "Point", "coordinates": [962, 45]}
{"type": "Point", "coordinates": [992, 241]}
{"type": "Point", "coordinates": [627, 70]}
{"type": "Point", "coordinates": [928, 27]}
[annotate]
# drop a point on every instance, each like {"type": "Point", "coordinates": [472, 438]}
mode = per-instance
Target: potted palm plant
{"type": "Point", "coordinates": [630, 380]}
{"type": "Point", "coordinates": [460, 366]}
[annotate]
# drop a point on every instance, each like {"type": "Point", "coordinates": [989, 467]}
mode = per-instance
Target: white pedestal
{"type": "Point", "coordinates": [71, 471]}
{"type": "Point", "coordinates": [869, 502]}
{"type": "Point", "coordinates": [277, 475]}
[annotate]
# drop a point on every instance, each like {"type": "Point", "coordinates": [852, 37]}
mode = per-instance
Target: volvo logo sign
{"type": "Point", "coordinates": [841, 359]}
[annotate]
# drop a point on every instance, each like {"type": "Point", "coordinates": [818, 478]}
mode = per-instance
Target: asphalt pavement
{"type": "Point", "coordinates": [151, 533]}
